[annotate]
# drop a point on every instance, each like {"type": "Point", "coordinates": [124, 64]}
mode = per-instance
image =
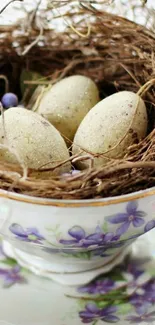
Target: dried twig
{"type": "Point", "coordinates": [11, 1]}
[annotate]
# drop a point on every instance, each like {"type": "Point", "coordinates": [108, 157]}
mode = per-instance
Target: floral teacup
{"type": "Point", "coordinates": [62, 237]}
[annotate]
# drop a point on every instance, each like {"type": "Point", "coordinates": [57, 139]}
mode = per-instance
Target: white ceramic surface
{"type": "Point", "coordinates": [29, 300]}
{"type": "Point", "coordinates": [68, 279]}
{"type": "Point", "coordinates": [59, 236]}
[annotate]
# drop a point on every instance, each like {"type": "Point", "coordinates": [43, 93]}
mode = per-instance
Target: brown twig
{"type": "Point", "coordinates": [11, 1]}
{"type": "Point", "coordinates": [3, 77]}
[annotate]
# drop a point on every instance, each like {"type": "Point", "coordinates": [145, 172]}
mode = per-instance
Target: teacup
{"type": "Point", "coordinates": [70, 237]}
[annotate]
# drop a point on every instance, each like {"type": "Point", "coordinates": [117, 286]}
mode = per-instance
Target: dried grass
{"type": "Point", "coordinates": [117, 54]}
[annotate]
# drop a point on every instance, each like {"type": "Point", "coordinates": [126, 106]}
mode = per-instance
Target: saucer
{"type": "Point", "coordinates": [126, 295]}
{"type": "Point", "coordinates": [69, 279]}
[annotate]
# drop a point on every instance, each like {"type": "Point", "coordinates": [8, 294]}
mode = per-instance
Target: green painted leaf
{"type": "Point", "coordinates": [115, 295]}
{"type": "Point", "coordinates": [85, 255]}
{"type": "Point", "coordinates": [116, 275]}
{"type": "Point", "coordinates": [25, 271]}
{"type": "Point", "coordinates": [105, 227]}
{"type": "Point", "coordinates": [54, 230]}
{"type": "Point", "coordinates": [124, 309]}
{"type": "Point", "coordinates": [126, 237]}
{"type": "Point", "coordinates": [81, 304]}
{"type": "Point", "coordinates": [59, 233]}
{"type": "Point", "coordinates": [28, 75]}
{"type": "Point", "coordinates": [112, 296]}
{"type": "Point", "coordinates": [151, 271]}
{"type": "Point", "coordinates": [9, 261]}
{"type": "Point", "coordinates": [102, 304]}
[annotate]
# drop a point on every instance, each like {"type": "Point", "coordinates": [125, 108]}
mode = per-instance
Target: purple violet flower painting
{"type": "Point", "coordinates": [12, 276]}
{"type": "Point", "coordinates": [133, 269]}
{"type": "Point", "coordinates": [106, 296]}
{"type": "Point", "coordinates": [96, 242]}
{"type": "Point", "coordinates": [149, 288]}
{"type": "Point", "coordinates": [92, 313]}
{"type": "Point", "coordinates": [97, 287]}
{"type": "Point", "coordinates": [28, 234]}
{"type": "Point", "coordinates": [131, 216]}
{"type": "Point", "coordinates": [137, 319]}
{"type": "Point", "coordinates": [79, 238]}
{"type": "Point", "coordinates": [140, 303]}
{"type": "Point", "coordinates": [150, 225]}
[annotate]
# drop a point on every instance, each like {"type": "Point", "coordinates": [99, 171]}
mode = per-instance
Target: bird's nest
{"type": "Point", "coordinates": [118, 55]}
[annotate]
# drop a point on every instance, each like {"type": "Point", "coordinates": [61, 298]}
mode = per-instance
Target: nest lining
{"type": "Point", "coordinates": [118, 55]}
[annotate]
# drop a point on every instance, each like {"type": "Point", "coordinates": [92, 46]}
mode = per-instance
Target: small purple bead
{"type": "Point", "coordinates": [9, 100]}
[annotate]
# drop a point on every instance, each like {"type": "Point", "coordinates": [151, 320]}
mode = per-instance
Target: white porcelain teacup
{"type": "Point", "coordinates": [66, 237]}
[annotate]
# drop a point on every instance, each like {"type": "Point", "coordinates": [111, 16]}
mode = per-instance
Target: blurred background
{"type": "Point", "coordinates": [132, 9]}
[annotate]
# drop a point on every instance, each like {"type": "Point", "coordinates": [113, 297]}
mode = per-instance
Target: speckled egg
{"type": "Point", "coordinates": [120, 116]}
{"type": "Point", "coordinates": [34, 139]}
{"type": "Point", "coordinates": [67, 102]}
